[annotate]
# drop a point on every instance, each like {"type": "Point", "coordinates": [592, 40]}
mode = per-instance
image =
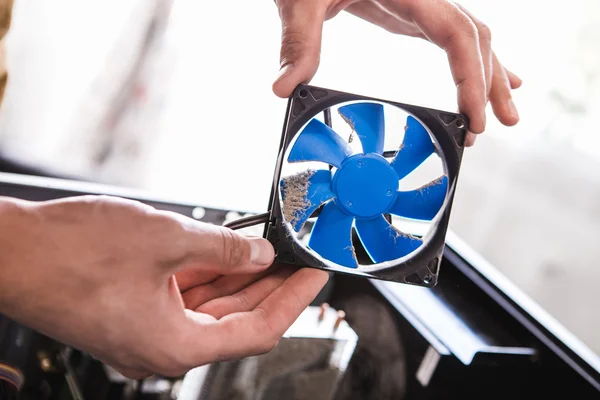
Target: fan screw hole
{"type": "Point", "coordinates": [389, 192]}
{"type": "Point", "coordinates": [427, 279]}
{"type": "Point", "coordinates": [460, 123]}
{"type": "Point", "coordinates": [349, 203]}
{"type": "Point", "coordinates": [360, 164]}
{"type": "Point", "coordinates": [303, 93]}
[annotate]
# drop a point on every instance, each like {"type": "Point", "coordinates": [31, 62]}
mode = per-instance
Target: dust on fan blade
{"type": "Point", "coordinates": [331, 236]}
{"type": "Point", "coordinates": [367, 120]}
{"type": "Point", "coordinates": [318, 142]}
{"type": "Point", "coordinates": [423, 203]}
{"type": "Point", "coordinates": [415, 148]}
{"type": "Point", "coordinates": [303, 193]}
{"type": "Point", "coordinates": [382, 241]}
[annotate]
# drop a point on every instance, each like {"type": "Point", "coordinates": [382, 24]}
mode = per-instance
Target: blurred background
{"type": "Point", "coordinates": [174, 97]}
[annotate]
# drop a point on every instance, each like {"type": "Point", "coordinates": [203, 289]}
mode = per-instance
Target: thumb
{"type": "Point", "coordinates": [225, 251]}
{"type": "Point", "coordinates": [302, 26]}
{"type": "Point", "coordinates": [213, 248]}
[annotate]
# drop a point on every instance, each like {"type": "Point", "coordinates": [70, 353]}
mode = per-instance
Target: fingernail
{"type": "Point", "coordinates": [261, 252]}
{"type": "Point", "coordinates": [470, 140]}
{"type": "Point", "coordinates": [285, 70]}
{"type": "Point", "coordinates": [483, 121]}
{"type": "Point", "coordinates": [513, 109]}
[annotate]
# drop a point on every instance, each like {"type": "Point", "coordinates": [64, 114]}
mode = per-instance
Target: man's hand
{"type": "Point", "coordinates": [478, 75]}
{"type": "Point", "coordinates": [143, 290]}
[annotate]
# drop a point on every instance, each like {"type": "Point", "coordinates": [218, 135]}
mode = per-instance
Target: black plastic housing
{"type": "Point", "coordinates": [421, 268]}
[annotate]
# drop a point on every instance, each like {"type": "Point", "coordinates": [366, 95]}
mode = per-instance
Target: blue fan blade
{"type": "Point", "coordinates": [423, 203]}
{"type": "Point", "coordinates": [382, 241]}
{"type": "Point", "coordinates": [318, 142]}
{"type": "Point", "coordinates": [415, 149]}
{"type": "Point", "coordinates": [368, 122]}
{"type": "Point", "coordinates": [303, 193]}
{"type": "Point", "coordinates": [331, 236]}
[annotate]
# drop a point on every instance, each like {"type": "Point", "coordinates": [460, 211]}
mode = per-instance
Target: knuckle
{"type": "Point", "coordinates": [232, 247]}
{"type": "Point", "coordinates": [265, 325]}
{"type": "Point", "coordinates": [95, 204]}
{"type": "Point", "coordinates": [295, 45]}
{"type": "Point", "coordinates": [99, 198]}
{"type": "Point", "coordinates": [485, 33]}
{"type": "Point", "coordinates": [116, 207]}
{"type": "Point", "coordinates": [109, 200]}
{"type": "Point", "coordinates": [469, 30]}
{"type": "Point", "coordinates": [299, 304]}
{"type": "Point", "coordinates": [464, 33]}
{"type": "Point", "coordinates": [465, 25]}
{"type": "Point", "coordinates": [271, 337]}
{"type": "Point", "coordinates": [243, 299]}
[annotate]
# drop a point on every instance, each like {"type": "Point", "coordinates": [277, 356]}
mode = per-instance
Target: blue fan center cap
{"type": "Point", "coordinates": [365, 185]}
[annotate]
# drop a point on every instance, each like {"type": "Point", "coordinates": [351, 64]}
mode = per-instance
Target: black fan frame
{"type": "Point", "coordinates": [449, 131]}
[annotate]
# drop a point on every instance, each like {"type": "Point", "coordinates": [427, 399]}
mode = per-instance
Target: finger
{"type": "Point", "coordinates": [248, 298]}
{"type": "Point", "coordinates": [133, 373]}
{"type": "Point", "coordinates": [515, 81]}
{"type": "Point", "coordinates": [192, 277]}
{"type": "Point", "coordinates": [485, 45]}
{"type": "Point", "coordinates": [128, 371]}
{"type": "Point", "coordinates": [377, 15]}
{"type": "Point", "coordinates": [447, 26]}
{"type": "Point", "coordinates": [470, 141]}
{"type": "Point", "coordinates": [258, 331]}
{"type": "Point", "coordinates": [302, 25]}
{"type": "Point", "coordinates": [223, 286]}
{"type": "Point", "coordinates": [501, 98]}
{"type": "Point", "coordinates": [213, 248]}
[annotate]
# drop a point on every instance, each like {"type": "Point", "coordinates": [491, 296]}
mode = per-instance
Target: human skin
{"type": "Point", "coordinates": [145, 291]}
{"type": "Point", "coordinates": [478, 74]}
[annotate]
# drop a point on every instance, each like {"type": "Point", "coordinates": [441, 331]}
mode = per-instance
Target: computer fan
{"type": "Point", "coordinates": [347, 196]}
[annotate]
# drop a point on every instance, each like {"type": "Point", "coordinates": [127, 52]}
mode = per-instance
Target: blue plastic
{"type": "Point", "coordinates": [423, 203]}
{"type": "Point", "coordinates": [331, 236]}
{"type": "Point", "coordinates": [382, 241]}
{"type": "Point", "coordinates": [319, 191]}
{"type": "Point", "coordinates": [364, 187]}
{"type": "Point", "coordinates": [415, 149]}
{"type": "Point", "coordinates": [318, 142]}
{"type": "Point", "coordinates": [368, 122]}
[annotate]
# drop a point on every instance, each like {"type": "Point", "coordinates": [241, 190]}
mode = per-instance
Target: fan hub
{"type": "Point", "coordinates": [365, 185]}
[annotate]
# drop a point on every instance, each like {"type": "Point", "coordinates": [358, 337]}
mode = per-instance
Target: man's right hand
{"type": "Point", "coordinates": [143, 290]}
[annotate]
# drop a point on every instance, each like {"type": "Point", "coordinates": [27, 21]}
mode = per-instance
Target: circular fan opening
{"type": "Point", "coordinates": [365, 191]}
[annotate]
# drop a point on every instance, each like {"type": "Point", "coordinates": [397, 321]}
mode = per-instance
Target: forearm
{"type": "Point", "coordinates": [13, 223]}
